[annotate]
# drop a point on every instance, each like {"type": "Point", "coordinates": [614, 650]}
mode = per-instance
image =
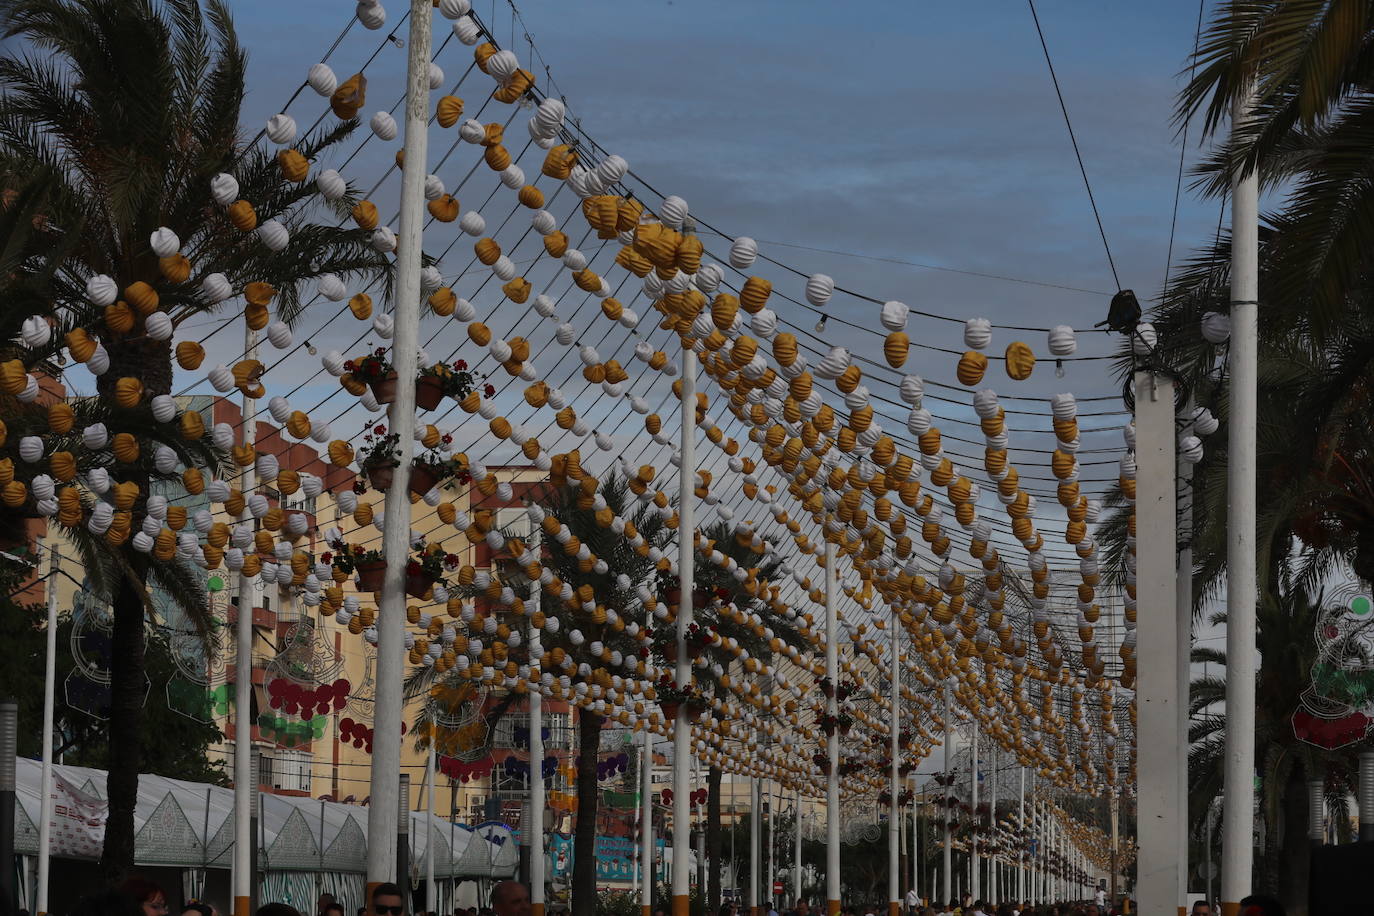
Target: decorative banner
{"type": "Point", "coordinates": [1338, 708]}
{"type": "Point", "coordinates": [78, 821]}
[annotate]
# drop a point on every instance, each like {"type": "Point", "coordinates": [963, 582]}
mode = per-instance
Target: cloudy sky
{"type": "Point", "coordinates": [914, 151]}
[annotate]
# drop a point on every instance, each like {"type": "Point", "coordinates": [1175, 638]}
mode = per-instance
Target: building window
{"type": "Point", "coordinates": [285, 769]}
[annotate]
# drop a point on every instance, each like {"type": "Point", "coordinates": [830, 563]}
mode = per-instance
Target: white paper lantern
{"type": "Point", "coordinates": [383, 239]}
{"type": "Point", "coordinates": [384, 126]}
{"type": "Point", "coordinates": [30, 448]}
{"type": "Point", "coordinates": [371, 15]}
{"type": "Point", "coordinates": [819, 288]}
{"type": "Point", "coordinates": [164, 408]}
{"type": "Point", "coordinates": [95, 436]}
{"type": "Point", "coordinates": [35, 331]}
{"type": "Point", "coordinates": [281, 128]}
{"type": "Point", "coordinates": [472, 223]}
{"type": "Point", "coordinates": [472, 131]}
{"type": "Point", "coordinates": [911, 389]}
{"type": "Point", "coordinates": [543, 222]}
{"type": "Point", "coordinates": [743, 252]}
{"type": "Point", "coordinates": [452, 9]}
{"type": "Point", "coordinates": [101, 290]}
{"type": "Point", "coordinates": [1216, 328]}
{"type": "Point", "coordinates": [274, 235]}
{"type": "Point", "coordinates": [322, 80]}
{"type": "Point", "coordinates": [164, 242]}
{"type": "Point", "coordinates": [674, 211]}
{"type": "Point", "coordinates": [894, 315]}
{"type": "Point", "coordinates": [434, 187]}
{"type": "Point", "coordinates": [333, 363]}
{"type": "Point", "coordinates": [504, 268]}
{"type": "Point", "coordinates": [1204, 424]}
{"type": "Point", "coordinates": [436, 76]}
{"type": "Point", "coordinates": [466, 30]}
{"type": "Point", "coordinates": [215, 287]}
{"type": "Point", "coordinates": [1062, 341]}
{"type": "Point", "coordinates": [1190, 449]}
{"type": "Point", "coordinates": [1144, 339]}
{"type": "Point", "coordinates": [332, 288]}
{"type": "Point", "coordinates": [158, 326]}
{"type": "Point", "coordinates": [331, 185]}
{"type": "Point", "coordinates": [224, 188]}
{"type": "Point", "coordinates": [834, 363]}
{"type": "Point", "coordinates": [464, 310]}
{"type": "Point", "coordinates": [384, 325]}
{"type": "Point", "coordinates": [221, 378]}
{"type": "Point", "coordinates": [279, 335]}
{"type": "Point", "coordinates": [977, 333]}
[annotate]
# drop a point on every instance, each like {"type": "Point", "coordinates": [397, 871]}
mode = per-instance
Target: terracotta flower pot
{"type": "Point", "coordinates": [693, 711]}
{"type": "Point", "coordinates": [370, 575]}
{"type": "Point", "coordinates": [428, 392]}
{"type": "Point", "coordinates": [670, 709]}
{"type": "Point", "coordinates": [418, 584]}
{"type": "Point", "coordinates": [379, 475]}
{"type": "Point", "coordinates": [384, 389]}
{"type": "Point", "coordinates": [672, 597]}
{"type": "Point", "coordinates": [422, 479]}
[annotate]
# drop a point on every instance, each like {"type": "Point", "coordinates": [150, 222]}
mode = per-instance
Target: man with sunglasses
{"type": "Point", "coordinates": [387, 900]}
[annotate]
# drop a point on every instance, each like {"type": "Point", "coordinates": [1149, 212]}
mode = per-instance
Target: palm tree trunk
{"type": "Point", "coordinates": [1294, 848]}
{"type": "Point", "coordinates": [584, 831]}
{"type": "Point", "coordinates": [127, 695]}
{"type": "Point", "coordinates": [713, 839]}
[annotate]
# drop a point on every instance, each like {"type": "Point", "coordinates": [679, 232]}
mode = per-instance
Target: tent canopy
{"type": "Point", "coordinates": [190, 824]}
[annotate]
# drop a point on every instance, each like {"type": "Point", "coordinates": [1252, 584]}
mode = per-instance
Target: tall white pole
{"type": "Point", "coordinates": [755, 853]}
{"type": "Point", "coordinates": [832, 742]}
{"type": "Point", "coordinates": [382, 812]}
{"type": "Point", "coordinates": [536, 825]}
{"type": "Point", "coordinates": [646, 822]}
{"type": "Point", "coordinates": [796, 850]}
{"type": "Point", "coordinates": [975, 883]}
{"type": "Point", "coordinates": [992, 818]}
{"type": "Point", "coordinates": [894, 816]}
{"type": "Point", "coordinates": [1183, 608]}
{"type": "Point", "coordinates": [1159, 886]}
{"type": "Point", "coordinates": [245, 780]}
{"type": "Point", "coordinates": [431, 892]}
{"type": "Point", "coordinates": [948, 885]}
{"type": "Point", "coordinates": [45, 811]}
{"type": "Point", "coordinates": [1238, 818]}
{"type": "Point", "coordinates": [915, 839]}
{"type": "Point", "coordinates": [1021, 836]}
{"type": "Point", "coordinates": [682, 729]}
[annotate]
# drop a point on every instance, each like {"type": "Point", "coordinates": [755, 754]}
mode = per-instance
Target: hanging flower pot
{"type": "Point", "coordinates": [428, 392]}
{"type": "Point", "coordinates": [419, 583]}
{"type": "Point", "coordinates": [672, 597]}
{"type": "Point", "coordinates": [423, 477]}
{"type": "Point", "coordinates": [384, 388]}
{"type": "Point", "coordinates": [693, 710]}
{"type": "Point", "coordinates": [370, 575]}
{"type": "Point", "coordinates": [670, 709]}
{"type": "Point", "coordinates": [700, 597]}
{"type": "Point", "coordinates": [380, 474]}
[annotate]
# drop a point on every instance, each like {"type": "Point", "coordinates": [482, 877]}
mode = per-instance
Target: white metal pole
{"type": "Point", "coordinates": [894, 834]}
{"type": "Point", "coordinates": [1238, 819]}
{"type": "Point", "coordinates": [767, 838]}
{"type": "Point", "coordinates": [975, 883]}
{"type": "Point", "coordinates": [646, 821]}
{"type": "Point", "coordinates": [948, 885]}
{"type": "Point", "coordinates": [536, 825]}
{"type": "Point", "coordinates": [682, 729]}
{"type": "Point", "coordinates": [49, 688]}
{"type": "Point", "coordinates": [1021, 836]}
{"type": "Point", "coordinates": [431, 893]}
{"type": "Point", "coordinates": [992, 818]}
{"type": "Point", "coordinates": [755, 858]}
{"type": "Point", "coordinates": [1159, 887]}
{"type": "Point", "coordinates": [245, 780]}
{"type": "Point", "coordinates": [915, 839]}
{"type": "Point", "coordinates": [1183, 608]}
{"type": "Point", "coordinates": [832, 742]}
{"type": "Point", "coordinates": [382, 813]}
{"type": "Point", "coordinates": [796, 850]}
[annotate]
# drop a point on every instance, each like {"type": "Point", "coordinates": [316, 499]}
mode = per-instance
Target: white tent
{"type": "Point", "coordinates": [190, 825]}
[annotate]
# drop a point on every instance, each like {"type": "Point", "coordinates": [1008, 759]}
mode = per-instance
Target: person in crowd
{"type": "Point", "coordinates": [1201, 908]}
{"type": "Point", "coordinates": [912, 902]}
{"type": "Point", "coordinates": [108, 903]}
{"type": "Point", "coordinates": [980, 908]}
{"type": "Point", "coordinates": [1261, 905]}
{"type": "Point", "coordinates": [196, 908]}
{"type": "Point", "coordinates": [333, 908]}
{"type": "Point", "coordinates": [511, 898]}
{"type": "Point", "coordinates": [322, 903]}
{"type": "Point", "coordinates": [387, 900]}
{"type": "Point", "coordinates": [277, 909]}
{"type": "Point", "coordinates": [150, 898]}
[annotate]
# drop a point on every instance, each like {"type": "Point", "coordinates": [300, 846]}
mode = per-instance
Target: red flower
{"type": "Point", "coordinates": [412, 567]}
{"type": "Point", "coordinates": [326, 557]}
{"type": "Point", "coordinates": [461, 365]}
{"type": "Point", "coordinates": [452, 559]}
{"type": "Point", "coordinates": [489, 391]}
{"type": "Point", "coordinates": [380, 429]}
{"type": "Point", "coordinates": [447, 440]}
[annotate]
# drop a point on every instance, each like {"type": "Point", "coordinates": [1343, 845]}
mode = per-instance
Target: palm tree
{"type": "Point", "coordinates": [614, 591]}
{"type": "Point", "coordinates": [727, 594]}
{"type": "Point", "coordinates": [1287, 618]}
{"type": "Point", "coordinates": [128, 108]}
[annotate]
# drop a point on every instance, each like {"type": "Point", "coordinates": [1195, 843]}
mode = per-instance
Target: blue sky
{"type": "Point", "coordinates": [922, 131]}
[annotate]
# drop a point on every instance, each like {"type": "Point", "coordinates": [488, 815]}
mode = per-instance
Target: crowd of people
{"type": "Point", "coordinates": [140, 897]}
